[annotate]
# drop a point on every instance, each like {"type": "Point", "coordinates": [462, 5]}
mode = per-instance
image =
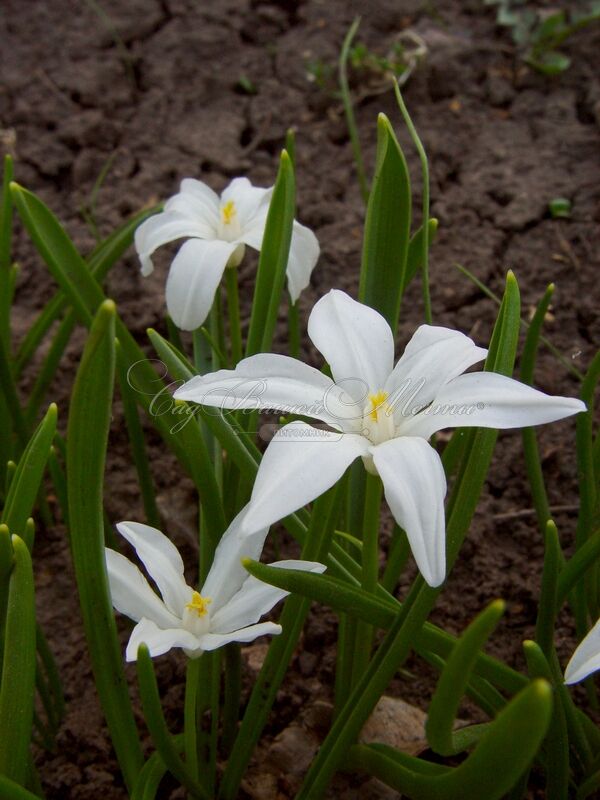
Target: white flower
{"type": "Point", "coordinates": [225, 609]}
{"type": "Point", "coordinates": [385, 414]}
{"type": "Point", "coordinates": [217, 230]}
{"type": "Point", "coordinates": [586, 658]}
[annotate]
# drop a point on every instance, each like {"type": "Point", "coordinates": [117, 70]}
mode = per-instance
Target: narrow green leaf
{"type": "Point", "coordinates": [387, 228]}
{"type": "Point", "coordinates": [530, 447]}
{"type": "Point", "coordinates": [5, 252]}
{"type": "Point", "coordinates": [455, 677]}
{"type": "Point", "coordinates": [425, 178]}
{"type": "Point", "coordinates": [9, 790]}
{"type": "Point", "coordinates": [349, 110]}
{"type": "Point", "coordinates": [26, 481]}
{"type": "Point", "coordinates": [544, 626]}
{"type": "Point", "coordinates": [137, 443]}
{"type": "Point", "coordinates": [503, 753]}
{"type": "Point", "coordinates": [101, 260]}
{"type": "Point", "coordinates": [272, 263]}
{"type": "Point", "coordinates": [342, 597]}
{"type": "Point", "coordinates": [87, 434]}
{"type": "Point", "coordinates": [557, 740]}
{"type": "Point", "coordinates": [587, 555]}
{"type": "Point", "coordinates": [18, 668]}
{"type": "Point", "coordinates": [163, 741]}
{"type": "Point", "coordinates": [59, 253]}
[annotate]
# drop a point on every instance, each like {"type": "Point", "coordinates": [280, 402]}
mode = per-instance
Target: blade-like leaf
{"type": "Point", "coordinates": [387, 228]}
{"type": "Point", "coordinates": [455, 677]}
{"type": "Point", "coordinates": [273, 260]}
{"type": "Point", "coordinates": [17, 688]}
{"type": "Point", "coordinates": [87, 434]}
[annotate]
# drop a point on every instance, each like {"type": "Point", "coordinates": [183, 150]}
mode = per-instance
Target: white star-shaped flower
{"type": "Point", "coordinates": [226, 609]}
{"type": "Point", "coordinates": [217, 230]}
{"type": "Point", "coordinates": [381, 412]}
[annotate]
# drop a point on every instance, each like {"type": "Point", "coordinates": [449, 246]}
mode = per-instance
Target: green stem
{"type": "Point", "coordinates": [425, 173]}
{"type": "Point", "coordinates": [370, 572]}
{"type": "Point", "coordinates": [294, 329]}
{"type": "Point", "coordinates": [349, 111]}
{"type": "Point", "coordinates": [233, 303]}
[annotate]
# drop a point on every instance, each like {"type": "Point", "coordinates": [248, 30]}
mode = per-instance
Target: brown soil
{"type": "Point", "coordinates": [157, 90]}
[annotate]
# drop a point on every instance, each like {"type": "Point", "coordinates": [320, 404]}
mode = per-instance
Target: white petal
{"type": "Point", "coordinates": [434, 356]}
{"type": "Point", "coordinates": [206, 217]}
{"type": "Point", "coordinates": [163, 228]}
{"type": "Point", "coordinates": [248, 200]}
{"type": "Point", "coordinates": [415, 487]}
{"type": "Point", "coordinates": [200, 195]}
{"type": "Point", "coordinates": [300, 463]}
{"type": "Point", "coordinates": [304, 252]}
{"type": "Point", "coordinates": [131, 593]}
{"type": "Point", "coordinates": [253, 232]}
{"type": "Point", "coordinates": [269, 381]}
{"type": "Point", "coordinates": [159, 640]}
{"type": "Point", "coordinates": [210, 641]}
{"type": "Point", "coordinates": [256, 598]}
{"type": "Point", "coordinates": [227, 574]}
{"type": "Point", "coordinates": [586, 658]}
{"type": "Point", "coordinates": [193, 278]}
{"type": "Point", "coordinates": [489, 400]}
{"type": "Point", "coordinates": [162, 560]}
{"type": "Point", "coordinates": [356, 342]}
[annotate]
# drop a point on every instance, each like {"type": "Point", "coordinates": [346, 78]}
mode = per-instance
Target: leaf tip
{"type": "Point", "coordinates": [542, 688]}
{"type": "Point", "coordinates": [109, 306]}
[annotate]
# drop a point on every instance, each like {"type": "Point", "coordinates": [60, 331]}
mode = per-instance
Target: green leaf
{"type": "Point", "coordinates": [530, 447]}
{"type": "Point", "coordinates": [550, 62]}
{"type": "Point", "coordinates": [557, 741]}
{"type": "Point", "coordinates": [26, 481]}
{"type": "Point", "coordinates": [387, 228]}
{"type": "Point", "coordinates": [346, 598]}
{"type": "Point", "coordinates": [163, 741]}
{"type": "Point", "coordinates": [17, 688]}
{"type": "Point", "coordinates": [9, 790]}
{"type": "Point", "coordinates": [544, 626]}
{"type": "Point", "coordinates": [99, 262]}
{"type": "Point", "coordinates": [87, 435]}
{"type": "Point", "coordinates": [455, 677]}
{"type": "Point", "coordinates": [504, 752]}
{"type": "Point", "coordinates": [273, 259]}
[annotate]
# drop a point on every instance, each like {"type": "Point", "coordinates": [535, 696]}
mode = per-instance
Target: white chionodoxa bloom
{"type": "Point", "coordinates": [586, 658]}
{"type": "Point", "coordinates": [226, 609]}
{"type": "Point", "coordinates": [384, 414]}
{"type": "Point", "coordinates": [217, 230]}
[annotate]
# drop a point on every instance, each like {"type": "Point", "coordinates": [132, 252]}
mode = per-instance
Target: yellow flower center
{"type": "Point", "coordinates": [377, 401]}
{"type": "Point", "coordinates": [228, 212]}
{"type": "Point", "coordinates": [199, 604]}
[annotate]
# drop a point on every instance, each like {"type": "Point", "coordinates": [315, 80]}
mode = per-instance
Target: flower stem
{"type": "Point", "coordinates": [370, 572]}
{"type": "Point", "coordinates": [425, 173]}
{"type": "Point", "coordinates": [233, 303]}
{"type": "Point", "coordinates": [294, 329]}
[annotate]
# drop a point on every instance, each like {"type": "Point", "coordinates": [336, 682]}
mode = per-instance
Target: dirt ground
{"type": "Point", "coordinates": [166, 89]}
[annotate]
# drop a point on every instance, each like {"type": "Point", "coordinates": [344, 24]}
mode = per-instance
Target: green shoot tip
{"type": "Point", "coordinates": [542, 687]}
{"type": "Point", "coordinates": [3, 529]}
{"type": "Point", "coordinates": [109, 306]}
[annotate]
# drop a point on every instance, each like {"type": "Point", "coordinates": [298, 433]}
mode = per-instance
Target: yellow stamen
{"type": "Point", "coordinates": [199, 604]}
{"type": "Point", "coordinates": [228, 212]}
{"type": "Point", "coordinates": [377, 400]}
